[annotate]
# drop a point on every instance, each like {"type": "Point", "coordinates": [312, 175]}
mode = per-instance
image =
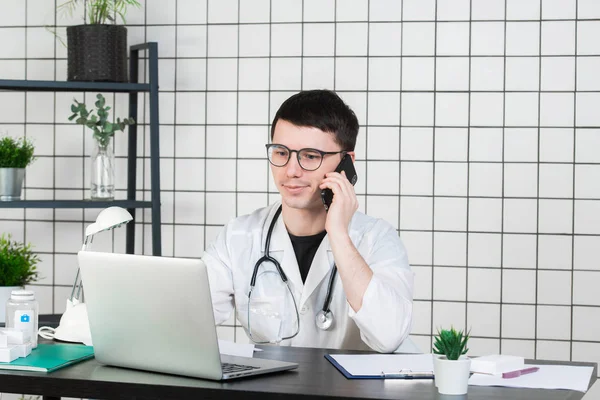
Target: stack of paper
{"type": "Point", "coordinates": [497, 364]}
{"type": "Point", "coordinates": [547, 377]}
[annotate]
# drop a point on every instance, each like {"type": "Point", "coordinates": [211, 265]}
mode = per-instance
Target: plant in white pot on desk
{"type": "Point", "coordinates": [15, 156]}
{"type": "Point", "coordinates": [17, 268]}
{"type": "Point", "coordinates": [450, 364]}
{"type": "Point", "coordinates": [102, 171]}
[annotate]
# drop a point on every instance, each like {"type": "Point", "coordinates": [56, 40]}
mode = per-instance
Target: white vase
{"type": "Point", "coordinates": [452, 376]}
{"type": "Point", "coordinates": [5, 292]}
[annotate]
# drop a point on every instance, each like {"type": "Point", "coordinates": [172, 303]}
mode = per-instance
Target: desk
{"type": "Point", "coordinates": [315, 378]}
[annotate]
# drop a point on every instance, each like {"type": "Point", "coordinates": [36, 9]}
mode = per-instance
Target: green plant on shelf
{"type": "Point", "coordinates": [18, 263]}
{"type": "Point", "coordinates": [15, 153]}
{"type": "Point", "coordinates": [103, 129]}
{"type": "Point", "coordinates": [99, 11]}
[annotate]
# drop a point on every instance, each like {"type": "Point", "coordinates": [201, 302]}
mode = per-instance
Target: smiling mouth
{"type": "Point", "coordinates": [293, 188]}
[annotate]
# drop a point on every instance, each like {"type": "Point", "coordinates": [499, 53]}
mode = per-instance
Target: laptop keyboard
{"type": "Point", "coordinates": [229, 368]}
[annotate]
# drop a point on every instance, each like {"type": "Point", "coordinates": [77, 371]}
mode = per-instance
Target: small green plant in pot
{"type": "Point", "coordinates": [102, 170]}
{"type": "Point", "coordinates": [15, 156]}
{"type": "Point", "coordinates": [18, 267]}
{"type": "Point", "coordinates": [451, 366]}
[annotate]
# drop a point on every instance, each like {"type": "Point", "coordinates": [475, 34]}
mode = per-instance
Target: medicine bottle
{"type": "Point", "coordinates": [22, 313]}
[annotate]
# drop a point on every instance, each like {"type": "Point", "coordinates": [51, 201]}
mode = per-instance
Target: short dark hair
{"type": "Point", "coordinates": [321, 109]}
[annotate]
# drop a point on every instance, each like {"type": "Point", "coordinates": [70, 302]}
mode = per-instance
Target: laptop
{"type": "Point", "coordinates": [155, 314]}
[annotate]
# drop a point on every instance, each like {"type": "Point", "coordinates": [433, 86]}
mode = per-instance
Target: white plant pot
{"type": "Point", "coordinates": [452, 376]}
{"type": "Point", "coordinates": [5, 292]}
{"type": "Point", "coordinates": [435, 359]}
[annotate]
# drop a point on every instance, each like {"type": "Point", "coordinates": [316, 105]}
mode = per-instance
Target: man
{"type": "Point", "coordinates": [331, 278]}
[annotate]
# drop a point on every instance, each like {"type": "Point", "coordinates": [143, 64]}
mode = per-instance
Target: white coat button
{"type": "Point", "coordinates": [304, 309]}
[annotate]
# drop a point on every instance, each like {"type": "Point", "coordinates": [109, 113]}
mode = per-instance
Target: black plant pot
{"type": "Point", "coordinates": [97, 53]}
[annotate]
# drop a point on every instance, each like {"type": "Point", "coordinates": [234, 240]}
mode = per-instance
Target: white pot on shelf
{"type": "Point", "coordinates": [451, 376]}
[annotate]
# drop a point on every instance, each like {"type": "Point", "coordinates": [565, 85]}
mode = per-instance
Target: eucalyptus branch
{"type": "Point", "coordinates": [103, 129]}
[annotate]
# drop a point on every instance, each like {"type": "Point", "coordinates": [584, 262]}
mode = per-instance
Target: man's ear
{"type": "Point", "coordinates": [352, 155]}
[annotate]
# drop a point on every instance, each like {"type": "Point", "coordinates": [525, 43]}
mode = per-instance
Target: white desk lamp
{"type": "Point", "coordinates": [74, 325]}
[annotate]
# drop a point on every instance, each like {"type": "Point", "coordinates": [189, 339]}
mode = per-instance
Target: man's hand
{"type": "Point", "coordinates": [354, 271]}
{"type": "Point", "coordinates": [343, 206]}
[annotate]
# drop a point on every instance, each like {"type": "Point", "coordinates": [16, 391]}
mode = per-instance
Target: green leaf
{"type": "Point", "coordinates": [451, 343]}
{"type": "Point", "coordinates": [98, 119]}
{"type": "Point", "coordinates": [17, 263]}
{"type": "Point", "coordinates": [16, 153]}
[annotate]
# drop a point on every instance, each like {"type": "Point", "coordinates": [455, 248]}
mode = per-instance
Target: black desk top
{"type": "Point", "coordinates": [315, 378]}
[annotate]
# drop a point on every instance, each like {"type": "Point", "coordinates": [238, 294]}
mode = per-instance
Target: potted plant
{"type": "Point", "coordinates": [97, 50]}
{"type": "Point", "coordinates": [102, 171]}
{"type": "Point", "coordinates": [451, 366]}
{"type": "Point", "coordinates": [15, 155]}
{"type": "Point", "coordinates": [17, 268]}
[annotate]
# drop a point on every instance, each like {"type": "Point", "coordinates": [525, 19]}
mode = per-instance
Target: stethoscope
{"type": "Point", "coordinates": [324, 318]}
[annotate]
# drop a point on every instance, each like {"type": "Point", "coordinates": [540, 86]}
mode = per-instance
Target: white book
{"type": "Point", "coordinates": [497, 364]}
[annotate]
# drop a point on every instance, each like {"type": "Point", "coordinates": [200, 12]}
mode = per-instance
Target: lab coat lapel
{"type": "Point", "coordinates": [282, 250]}
{"type": "Point", "coordinates": [319, 269]}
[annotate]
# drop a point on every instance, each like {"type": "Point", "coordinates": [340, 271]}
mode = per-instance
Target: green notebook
{"type": "Point", "coordinates": [50, 357]}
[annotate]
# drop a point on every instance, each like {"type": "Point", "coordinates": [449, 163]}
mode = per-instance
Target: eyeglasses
{"type": "Point", "coordinates": [309, 159]}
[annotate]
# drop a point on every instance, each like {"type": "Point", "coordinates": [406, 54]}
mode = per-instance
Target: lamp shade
{"type": "Point", "coordinates": [111, 217]}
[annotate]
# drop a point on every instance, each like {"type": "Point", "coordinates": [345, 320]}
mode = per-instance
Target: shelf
{"type": "Point", "coordinates": [62, 86]}
{"type": "Point", "coordinates": [74, 204]}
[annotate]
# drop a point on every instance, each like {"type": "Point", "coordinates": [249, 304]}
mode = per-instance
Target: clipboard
{"type": "Point", "coordinates": [383, 366]}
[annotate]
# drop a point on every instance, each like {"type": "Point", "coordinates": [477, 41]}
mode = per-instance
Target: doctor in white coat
{"type": "Point", "coordinates": [338, 262]}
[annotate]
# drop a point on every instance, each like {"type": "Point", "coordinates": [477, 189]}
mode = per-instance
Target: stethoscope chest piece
{"type": "Point", "coordinates": [324, 319]}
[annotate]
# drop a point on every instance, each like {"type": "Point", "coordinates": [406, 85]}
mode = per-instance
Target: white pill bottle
{"type": "Point", "coordinates": [22, 311]}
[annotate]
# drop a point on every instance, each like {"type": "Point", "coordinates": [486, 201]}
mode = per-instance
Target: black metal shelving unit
{"type": "Point", "coordinates": [133, 88]}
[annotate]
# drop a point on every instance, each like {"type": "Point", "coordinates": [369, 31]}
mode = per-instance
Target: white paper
{"type": "Point", "coordinates": [593, 393]}
{"type": "Point", "coordinates": [377, 364]}
{"type": "Point", "coordinates": [235, 349]}
{"type": "Point", "coordinates": [548, 377]}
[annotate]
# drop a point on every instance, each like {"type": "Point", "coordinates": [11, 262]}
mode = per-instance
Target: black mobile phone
{"type": "Point", "coordinates": [347, 166]}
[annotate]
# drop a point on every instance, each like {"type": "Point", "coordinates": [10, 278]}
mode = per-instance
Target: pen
{"type": "Point", "coordinates": [514, 374]}
{"type": "Point", "coordinates": [407, 375]}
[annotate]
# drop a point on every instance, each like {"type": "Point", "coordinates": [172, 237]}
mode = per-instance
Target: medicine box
{"type": "Point", "coordinates": [496, 364]}
{"type": "Point", "coordinates": [15, 336]}
{"type": "Point", "coordinates": [9, 354]}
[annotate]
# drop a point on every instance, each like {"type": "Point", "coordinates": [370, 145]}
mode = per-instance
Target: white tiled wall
{"type": "Point", "coordinates": [479, 141]}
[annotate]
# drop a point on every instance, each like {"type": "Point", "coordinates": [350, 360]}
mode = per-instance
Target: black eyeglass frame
{"type": "Point", "coordinates": [290, 151]}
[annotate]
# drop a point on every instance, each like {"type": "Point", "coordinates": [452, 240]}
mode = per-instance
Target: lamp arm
{"type": "Point", "coordinates": [77, 284]}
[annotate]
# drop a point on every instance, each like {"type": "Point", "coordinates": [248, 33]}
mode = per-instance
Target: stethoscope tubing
{"type": "Point", "coordinates": [267, 258]}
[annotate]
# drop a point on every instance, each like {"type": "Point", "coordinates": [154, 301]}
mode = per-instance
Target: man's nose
{"type": "Point", "coordinates": [293, 168]}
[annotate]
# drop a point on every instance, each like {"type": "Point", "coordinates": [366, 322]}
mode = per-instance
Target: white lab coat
{"type": "Point", "coordinates": [382, 323]}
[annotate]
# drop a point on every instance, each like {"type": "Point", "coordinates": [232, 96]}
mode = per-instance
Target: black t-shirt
{"type": "Point", "coordinates": [305, 248]}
